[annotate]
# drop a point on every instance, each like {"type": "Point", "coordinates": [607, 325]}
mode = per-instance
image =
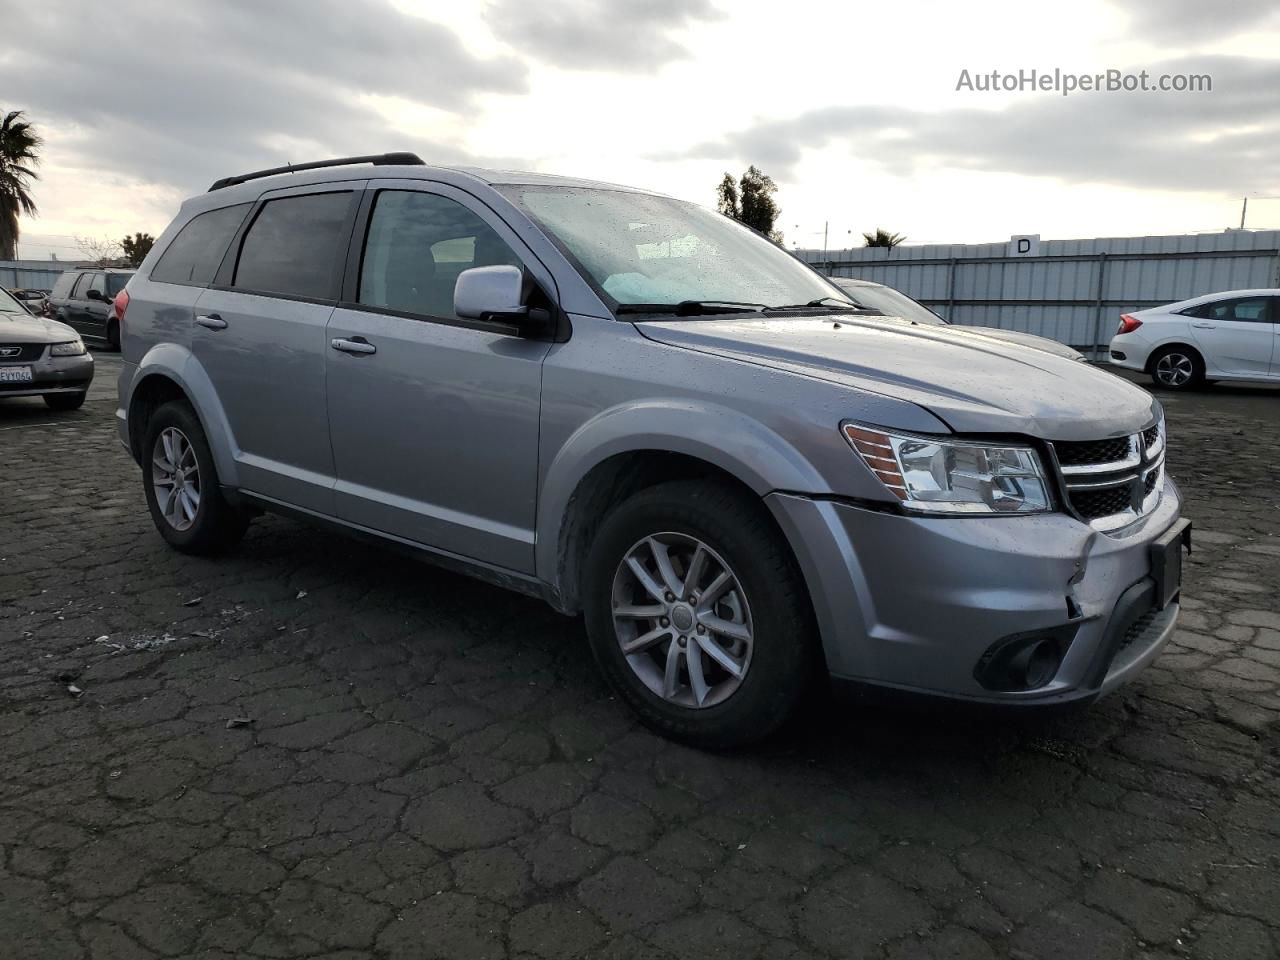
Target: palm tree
{"type": "Point", "coordinates": [18, 145]}
{"type": "Point", "coordinates": [882, 238]}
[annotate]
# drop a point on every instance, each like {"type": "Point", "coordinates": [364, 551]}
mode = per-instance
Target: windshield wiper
{"type": "Point", "coordinates": [693, 308]}
{"type": "Point", "coordinates": [820, 302]}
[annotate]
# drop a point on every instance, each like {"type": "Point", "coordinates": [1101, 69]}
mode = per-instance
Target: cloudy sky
{"type": "Point", "coordinates": [851, 106]}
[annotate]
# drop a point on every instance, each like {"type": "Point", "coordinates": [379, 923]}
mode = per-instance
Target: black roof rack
{"type": "Point", "coordinates": [377, 159]}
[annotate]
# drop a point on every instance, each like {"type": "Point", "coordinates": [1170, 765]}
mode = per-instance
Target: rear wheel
{"type": "Point", "coordinates": [697, 614]}
{"type": "Point", "coordinates": [113, 335]}
{"type": "Point", "coordinates": [65, 401]}
{"type": "Point", "coordinates": [181, 484]}
{"type": "Point", "coordinates": [1177, 368]}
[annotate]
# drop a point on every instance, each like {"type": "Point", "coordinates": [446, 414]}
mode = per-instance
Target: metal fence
{"type": "Point", "coordinates": [33, 274]}
{"type": "Point", "coordinates": [1073, 291]}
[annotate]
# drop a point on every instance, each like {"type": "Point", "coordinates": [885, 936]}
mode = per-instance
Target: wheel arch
{"type": "Point", "coordinates": [169, 372]}
{"type": "Point", "coordinates": [1163, 348]}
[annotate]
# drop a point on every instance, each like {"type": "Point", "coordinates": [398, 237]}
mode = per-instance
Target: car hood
{"type": "Point", "coordinates": [1025, 339]}
{"type": "Point", "coordinates": [19, 328]}
{"type": "Point", "coordinates": [975, 383]}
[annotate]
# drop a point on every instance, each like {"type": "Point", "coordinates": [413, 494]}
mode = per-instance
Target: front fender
{"type": "Point", "coordinates": [177, 363]}
{"type": "Point", "coordinates": [725, 438]}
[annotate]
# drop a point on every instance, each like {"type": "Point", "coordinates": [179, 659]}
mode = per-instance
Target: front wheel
{"type": "Point", "coordinates": [697, 614]}
{"type": "Point", "coordinates": [181, 485]}
{"type": "Point", "coordinates": [1177, 368]}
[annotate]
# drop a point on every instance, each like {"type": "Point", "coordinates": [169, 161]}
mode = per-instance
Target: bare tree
{"type": "Point", "coordinates": [98, 249]}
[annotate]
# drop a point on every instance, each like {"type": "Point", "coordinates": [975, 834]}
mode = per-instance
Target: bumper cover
{"type": "Point", "coordinates": [52, 375]}
{"type": "Point", "coordinates": [914, 602]}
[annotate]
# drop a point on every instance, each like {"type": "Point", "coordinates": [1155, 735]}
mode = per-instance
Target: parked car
{"type": "Point", "coordinates": [41, 357]}
{"type": "Point", "coordinates": [643, 411]}
{"type": "Point", "coordinates": [1220, 336]}
{"type": "Point", "coordinates": [32, 299]}
{"type": "Point", "coordinates": [84, 299]}
{"type": "Point", "coordinates": [895, 303]}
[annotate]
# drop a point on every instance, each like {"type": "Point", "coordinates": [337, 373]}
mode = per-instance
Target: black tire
{"type": "Point", "coordinates": [784, 653]}
{"type": "Point", "coordinates": [113, 336]}
{"type": "Point", "coordinates": [217, 525]}
{"type": "Point", "coordinates": [1176, 368]}
{"type": "Point", "coordinates": [65, 401]}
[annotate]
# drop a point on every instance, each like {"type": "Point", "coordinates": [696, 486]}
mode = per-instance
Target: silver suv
{"type": "Point", "coordinates": [647, 413]}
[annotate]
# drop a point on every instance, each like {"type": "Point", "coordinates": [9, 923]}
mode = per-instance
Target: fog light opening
{"type": "Point", "coordinates": [1025, 661]}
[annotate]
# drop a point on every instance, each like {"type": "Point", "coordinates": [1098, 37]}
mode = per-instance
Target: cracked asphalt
{"type": "Point", "coordinates": [316, 748]}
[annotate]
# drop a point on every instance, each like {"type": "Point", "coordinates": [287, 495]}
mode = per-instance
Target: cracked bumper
{"type": "Point", "coordinates": [914, 602]}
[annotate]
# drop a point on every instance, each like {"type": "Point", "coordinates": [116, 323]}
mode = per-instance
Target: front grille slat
{"type": "Point", "coordinates": [27, 352]}
{"type": "Point", "coordinates": [1110, 482]}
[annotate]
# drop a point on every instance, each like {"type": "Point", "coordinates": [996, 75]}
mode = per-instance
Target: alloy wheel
{"type": "Point", "coordinates": [682, 620]}
{"type": "Point", "coordinates": [1175, 369]}
{"type": "Point", "coordinates": [175, 478]}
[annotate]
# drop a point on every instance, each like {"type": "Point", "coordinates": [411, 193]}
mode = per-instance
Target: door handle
{"type": "Point", "coordinates": [352, 346]}
{"type": "Point", "coordinates": [212, 321]}
{"type": "Point", "coordinates": [1201, 325]}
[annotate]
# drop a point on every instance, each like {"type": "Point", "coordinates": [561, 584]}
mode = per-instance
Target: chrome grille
{"type": "Point", "coordinates": [1112, 483]}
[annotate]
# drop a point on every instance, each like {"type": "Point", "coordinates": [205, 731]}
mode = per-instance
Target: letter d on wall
{"type": "Point", "coordinates": [1024, 245]}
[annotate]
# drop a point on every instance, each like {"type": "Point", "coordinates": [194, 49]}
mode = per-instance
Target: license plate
{"type": "Point", "coordinates": [15, 374]}
{"type": "Point", "coordinates": [1166, 561]}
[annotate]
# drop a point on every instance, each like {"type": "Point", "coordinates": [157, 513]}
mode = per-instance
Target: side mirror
{"type": "Point", "coordinates": [490, 293]}
{"type": "Point", "coordinates": [96, 295]}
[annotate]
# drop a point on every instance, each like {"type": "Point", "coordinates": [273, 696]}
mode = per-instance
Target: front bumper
{"type": "Point", "coordinates": [915, 602]}
{"type": "Point", "coordinates": [51, 375]}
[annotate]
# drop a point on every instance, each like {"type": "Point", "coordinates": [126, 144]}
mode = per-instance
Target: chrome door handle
{"type": "Point", "coordinates": [1205, 326]}
{"type": "Point", "coordinates": [212, 321]}
{"type": "Point", "coordinates": [352, 346]}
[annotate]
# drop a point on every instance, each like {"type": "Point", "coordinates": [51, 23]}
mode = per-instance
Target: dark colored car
{"type": "Point", "coordinates": [40, 357]}
{"type": "Point", "coordinates": [84, 299]}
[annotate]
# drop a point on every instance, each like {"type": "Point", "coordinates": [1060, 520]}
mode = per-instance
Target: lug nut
{"type": "Point", "coordinates": [683, 641]}
{"type": "Point", "coordinates": [670, 597]}
{"type": "Point", "coordinates": [664, 622]}
{"type": "Point", "coordinates": [701, 628]}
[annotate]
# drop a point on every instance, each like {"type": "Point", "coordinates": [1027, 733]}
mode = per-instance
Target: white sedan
{"type": "Point", "coordinates": [1220, 336]}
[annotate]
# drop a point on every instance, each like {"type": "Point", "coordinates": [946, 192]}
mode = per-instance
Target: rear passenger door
{"type": "Point", "coordinates": [259, 334]}
{"type": "Point", "coordinates": [435, 422]}
{"type": "Point", "coordinates": [1235, 335]}
{"type": "Point", "coordinates": [74, 312]}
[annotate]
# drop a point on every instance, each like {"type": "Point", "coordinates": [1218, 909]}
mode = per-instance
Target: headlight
{"type": "Point", "coordinates": [72, 349]}
{"type": "Point", "coordinates": [953, 476]}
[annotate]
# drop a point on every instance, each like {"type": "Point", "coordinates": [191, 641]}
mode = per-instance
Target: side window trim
{"type": "Point", "coordinates": [360, 235]}
{"type": "Point", "coordinates": [223, 279]}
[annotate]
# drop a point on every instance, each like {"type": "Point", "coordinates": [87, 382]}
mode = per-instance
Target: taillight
{"type": "Point", "coordinates": [1128, 323]}
{"type": "Point", "coordinates": [121, 304]}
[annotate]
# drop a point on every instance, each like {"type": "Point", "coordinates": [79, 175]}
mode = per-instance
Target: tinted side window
{"type": "Point", "coordinates": [116, 282]}
{"type": "Point", "coordinates": [197, 250]}
{"type": "Point", "coordinates": [1244, 309]}
{"type": "Point", "coordinates": [62, 288]}
{"type": "Point", "coordinates": [293, 245]}
{"type": "Point", "coordinates": [98, 282]}
{"type": "Point", "coordinates": [82, 286]}
{"type": "Point", "coordinates": [417, 245]}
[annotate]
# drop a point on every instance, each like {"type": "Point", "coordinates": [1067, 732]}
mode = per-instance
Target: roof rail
{"type": "Point", "coordinates": [377, 159]}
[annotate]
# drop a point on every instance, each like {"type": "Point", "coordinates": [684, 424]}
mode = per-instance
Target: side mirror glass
{"type": "Point", "coordinates": [490, 293]}
{"type": "Point", "coordinates": [95, 295]}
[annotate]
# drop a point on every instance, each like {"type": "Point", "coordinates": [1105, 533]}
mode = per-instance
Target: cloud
{"type": "Point", "coordinates": [612, 35]}
{"type": "Point", "coordinates": [181, 93]}
{"type": "Point", "coordinates": [1190, 22]}
{"type": "Point", "coordinates": [1226, 141]}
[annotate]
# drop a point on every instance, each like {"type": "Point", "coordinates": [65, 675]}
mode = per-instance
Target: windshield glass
{"type": "Point", "coordinates": [115, 283]}
{"type": "Point", "coordinates": [9, 305]}
{"type": "Point", "coordinates": [640, 249]}
{"type": "Point", "coordinates": [891, 303]}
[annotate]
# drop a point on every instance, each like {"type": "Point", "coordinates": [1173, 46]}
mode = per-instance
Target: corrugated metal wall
{"type": "Point", "coordinates": [34, 274]}
{"type": "Point", "coordinates": [1075, 290]}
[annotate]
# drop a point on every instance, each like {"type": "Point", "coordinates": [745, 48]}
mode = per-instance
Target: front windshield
{"type": "Point", "coordinates": [891, 303]}
{"type": "Point", "coordinates": [10, 305]}
{"type": "Point", "coordinates": [641, 249]}
{"type": "Point", "coordinates": [116, 283]}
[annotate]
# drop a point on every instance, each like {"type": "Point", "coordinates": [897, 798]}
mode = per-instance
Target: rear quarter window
{"type": "Point", "coordinates": [196, 252]}
{"type": "Point", "coordinates": [62, 286]}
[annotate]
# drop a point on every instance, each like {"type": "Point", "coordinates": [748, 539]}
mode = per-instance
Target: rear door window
{"type": "Point", "coordinates": [1243, 310]}
{"type": "Point", "coordinates": [293, 247]}
{"type": "Point", "coordinates": [416, 246]}
{"type": "Point", "coordinates": [196, 252]}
